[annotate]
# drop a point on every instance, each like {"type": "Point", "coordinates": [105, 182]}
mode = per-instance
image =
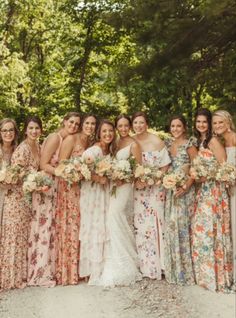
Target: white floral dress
{"type": "Point", "coordinates": [149, 220]}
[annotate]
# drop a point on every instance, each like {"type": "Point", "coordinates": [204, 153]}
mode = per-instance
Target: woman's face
{"type": "Point", "coordinates": [177, 129]}
{"type": "Point", "coordinates": [202, 124]}
{"type": "Point", "coordinates": [107, 134]}
{"type": "Point", "coordinates": [219, 125]}
{"type": "Point", "coordinates": [89, 126]}
{"type": "Point", "coordinates": [33, 131]}
{"type": "Point", "coordinates": [123, 127]}
{"type": "Point", "coordinates": [8, 133]}
{"type": "Point", "coordinates": [71, 125]}
{"type": "Point", "coordinates": [140, 125]}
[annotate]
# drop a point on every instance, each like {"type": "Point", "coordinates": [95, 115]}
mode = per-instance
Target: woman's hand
{"type": "Point", "coordinates": [140, 185]}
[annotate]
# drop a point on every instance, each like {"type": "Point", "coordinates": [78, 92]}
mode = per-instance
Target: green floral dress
{"type": "Point", "coordinates": [211, 233]}
{"type": "Point", "coordinates": [178, 212]}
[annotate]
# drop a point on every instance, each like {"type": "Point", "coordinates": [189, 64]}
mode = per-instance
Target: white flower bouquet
{"type": "Point", "coordinates": [203, 168]}
{"type": "Point", "coordinates": [226, 173]}
{"type": "Point", "coordinates": [36, 181]}
{"type": "Point", "coordinates": [11, 174]}
{"type": "Point", "coordinates": [175, 179]}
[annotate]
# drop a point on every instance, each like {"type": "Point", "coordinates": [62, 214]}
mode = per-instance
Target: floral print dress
{"type": "Point", "coordinates": [16, 225]}
{"type": "Point", "coordinates": [211, 233]}
{"type": "Point", "coordinates": [149, 220]}
{"type": "Point", "coordinates": [67, 230]}
{"type": "Point", "coordinates": [41, 252]}
{"type": "Point", "coordinates": [178, 212]}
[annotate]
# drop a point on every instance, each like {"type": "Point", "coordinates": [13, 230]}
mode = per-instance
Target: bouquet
{"type": "Point", "coordinates": [122, 170]}
{"type": "Point", "coordinates": [11, 174]}
{"type": "Point", "coordinates": [175, 179]}
{"type": "Point", "coordinates": [102, 166]}
{"type": "Point", "coordinates": [226, 173]}
{"type": "Point", "coordinates": [203, 168]}
{"type": "Point", "coordinates": [72, 170]}
{"type": "Point", "coordinates": [36, 181]}
{"type": "Point", "coordinates": [148, 174]}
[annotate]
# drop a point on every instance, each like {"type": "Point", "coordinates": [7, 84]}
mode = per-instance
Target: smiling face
{"type": "Point", "coordinates": [71, 125]}
{"type": "Point", "coordinates": [123, 127]}
{"type": "Point", "coordinates": [177, 128]}
{"type": "Point", "coordinates": [107, 134]}
{"type": "Point", "coordinates": [8, 133]}
{"type": "Point", "coordinates": [89, 125]}
{"type": "Point", "coordinates": [33, 131]}
{"type": "Point", "coordinates": [140, 125]}
{"type": "Point", "coordinates": [202, 124]}
{"type": "Point", "coordinates": [220, 125]}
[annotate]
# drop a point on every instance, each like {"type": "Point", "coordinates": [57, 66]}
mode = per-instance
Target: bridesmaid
{"type": "Point", "coordinates": [17, 214]}
{"type": "Point", "coordinates": [94, 203]}
{"type": "Point", "coordinates": [41, 252]}
{"type": "Point", "coordinates": [211, 241]}
{"type": "Point", "coordinates": [68, 211]}
{"type": "Point", "coordinates": [179, 208]}
{"type": "Point", "coordinates": [149, 202]}
{"type": "Point", "coordinates": [121, 263]}
{"type": "Point", "coordinates": [8, 142]}
{"type": "Point", "coordinates": [223, 126]}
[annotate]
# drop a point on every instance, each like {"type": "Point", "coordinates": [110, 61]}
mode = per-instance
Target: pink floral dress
{"type": "Point", "coordinates": [211, 233]}
{"type": "Point", "coordinates": [67, 230]}
{"type": "Point", "coordinates": [16, 225]}
{"type": "Point", "coordinates": [41, 252]}
{"type": "Point", "coordinates": [149, 220]}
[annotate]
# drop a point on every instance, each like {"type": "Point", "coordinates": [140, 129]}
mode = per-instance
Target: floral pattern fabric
{"type": "Point", "coordinates": [41, 252]}
{"type": "Point", "coordinates": [15, 226]}
{"type": "Point", "coordinates": [211, 233]}
{"type": "Point", "coordinates": [67, 230]}
{"type": "Point", "coordinates": [149, 220]}
{"type": "Point", "coordinates": [178, 212]}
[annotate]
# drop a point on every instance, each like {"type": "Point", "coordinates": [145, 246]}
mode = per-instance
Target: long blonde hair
{"type": "Point", "coordinates": [226, 116]}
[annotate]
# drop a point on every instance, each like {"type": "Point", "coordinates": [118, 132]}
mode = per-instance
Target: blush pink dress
{"type": "Point", "coordinates": [41, 252]}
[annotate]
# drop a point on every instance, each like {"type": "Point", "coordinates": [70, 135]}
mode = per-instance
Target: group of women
{"type": "Point", "coordinates": [83, 232]}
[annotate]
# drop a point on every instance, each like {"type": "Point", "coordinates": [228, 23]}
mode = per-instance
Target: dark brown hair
{"type": "Point", "coordinates": [34, 119]}
{"type": "Point", "coordinates": [112, 146]}
{"type": "Point", "coordinates": [122, 116]}
{"type": "Point", "coordinates": [203, 112]}
{"type": "Point", "coordinates": [180, 118]}
{"type": "Point", "coordinates": [137, 114]}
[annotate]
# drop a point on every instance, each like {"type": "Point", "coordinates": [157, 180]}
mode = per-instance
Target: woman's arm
{"type": "Point", "coordinates": [67, 147]}
{"type": "Point", "coordinates": [218, 150]}
{"type": "Point", "coordinates": [48, 151]}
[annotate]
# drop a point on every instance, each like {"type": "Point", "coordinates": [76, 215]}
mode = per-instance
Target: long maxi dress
{"type": "Point", "coordinates": [17, 215]}
{"type": "Point", "coordinates": [67, 230]}
{"type": "Point", "coordinates": [94, 203]}
{"type": "Point", "coordinates": [211, 233]}
{"type": "Point", "coordinates": [41, 252]}
{"type": "Point", "coordinates": [149, 220]}
{"type": "Point", "coordinates": [178, 213]}
{"type": "Point", "coordinates": [231, 158]}
{"type": "Point", "coordinates": [121, 260]}
{"type": "Point", "coordinates": [4, 160]}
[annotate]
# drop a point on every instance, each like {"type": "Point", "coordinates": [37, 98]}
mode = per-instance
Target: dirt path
{"type": "Point", "coordinates": [146, 299]}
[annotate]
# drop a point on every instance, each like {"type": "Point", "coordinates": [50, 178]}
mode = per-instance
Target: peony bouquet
{"type": "Point", "coordinates": [148, 174]}
{"type": "Point", "coordinates": [72, 170]}
{"type": "Point", "coordinates": [203, 168]}
{"type": "Point", "coordinates": [175, 179]}
{"type": "Point", "coordinates": [36, 181]}
{"type": "Point", "coordinates": [226, 173]}
{"type": "Point", "coordinates": [11, 174]}
{"type": "Point", "coordinates": [102, 166]}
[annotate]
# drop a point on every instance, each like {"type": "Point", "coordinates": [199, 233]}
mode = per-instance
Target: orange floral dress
{"type": "Point", "coordinates": [67, 230]}
{"type": "Point", "coordinates": [211, 233]}
{"type": "Point", "coordinates": [15, 226]}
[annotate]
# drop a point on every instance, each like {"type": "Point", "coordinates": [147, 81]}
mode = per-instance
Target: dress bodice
{"type": "Point", "coordinates": [231, 155]}
{"type": "Point", "coordinates": [77, 151]}
{"type": "Point", "coordinates": [182, 157]}
{"type": "Point", "coordinates": [4, 158]}
{"type": "Point", "coordinates": [208, 157]}
{"type": "Point", "coordinates": [23, 156]}
{"type": "Point", "coordinates": [123, 153]}
{"type": "Point", "coordinates": [158, 158]}
{"type": "Point", "coordinates": [93, 152]}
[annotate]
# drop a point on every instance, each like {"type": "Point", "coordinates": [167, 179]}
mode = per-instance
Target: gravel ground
{"type": "Point", "coordinates": [149, 298]}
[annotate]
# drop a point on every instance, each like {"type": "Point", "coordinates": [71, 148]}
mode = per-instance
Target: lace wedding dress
{"type": "Point", "coordinates": [121, 261]}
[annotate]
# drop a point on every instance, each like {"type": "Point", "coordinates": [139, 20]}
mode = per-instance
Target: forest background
{"type": "Point", "coordinates": [164, 57]}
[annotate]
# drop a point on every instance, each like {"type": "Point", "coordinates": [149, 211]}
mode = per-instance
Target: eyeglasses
{"type": "Point", "coordinates": [5, 131]}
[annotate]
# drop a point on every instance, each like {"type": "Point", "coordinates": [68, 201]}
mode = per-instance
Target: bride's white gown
{"type": "Point", "coordinates": [121, 260]}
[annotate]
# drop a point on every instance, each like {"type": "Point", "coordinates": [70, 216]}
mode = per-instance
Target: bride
{"type": "Point", "coordinates": [121, 261]}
